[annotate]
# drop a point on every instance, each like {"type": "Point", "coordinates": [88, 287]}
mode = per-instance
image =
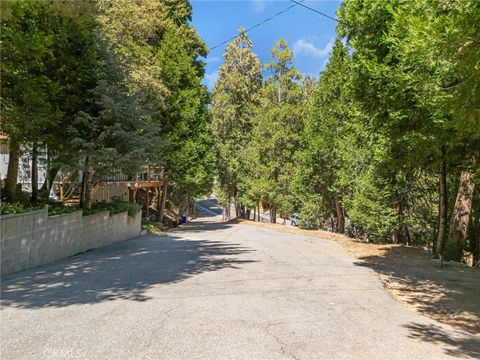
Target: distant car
{"type": "Point", "coordinates": [295, 219]}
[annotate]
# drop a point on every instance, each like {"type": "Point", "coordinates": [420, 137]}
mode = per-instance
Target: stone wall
{"type": "Point", "coordinates": [34, 238]}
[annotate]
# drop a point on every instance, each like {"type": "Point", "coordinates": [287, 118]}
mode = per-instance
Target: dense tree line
{"type": "Point", "coordinates": [104, 86]}
{"type": "Point", "coordinates": [384, 147]}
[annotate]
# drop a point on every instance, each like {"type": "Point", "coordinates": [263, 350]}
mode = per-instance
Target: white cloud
{"type": "Point", "coordinates": [309, 48]}
{"type": "Point", "coordinates": [259, 5]}
{"type": "Point", "coordinates": [211, 78]}
{"type": "Point", "coordinates": [212, 60]}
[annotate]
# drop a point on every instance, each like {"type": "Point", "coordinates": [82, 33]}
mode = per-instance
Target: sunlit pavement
{"type": "Point", "coordinates": [212, 290]}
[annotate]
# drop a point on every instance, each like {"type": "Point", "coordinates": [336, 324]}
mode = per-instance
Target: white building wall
{"type": "Point", "coordinates": [25, 166]}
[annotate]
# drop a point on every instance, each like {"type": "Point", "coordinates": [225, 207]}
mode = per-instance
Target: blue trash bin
{"type": "Point", "coordinates": [184, 219]}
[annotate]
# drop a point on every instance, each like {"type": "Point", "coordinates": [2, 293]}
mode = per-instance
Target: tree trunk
{"type": "Point", "coordinates": [400, 233]}
{"type": "Point", "coordinates": [132, 195]}
{"type": "Point", "coordinates": [476, 248]}
{"type": "Point", "coordinates": [442, 212]}
{"type": "Point", "coordinates": [164, 200]}
{"type": "Point", "coordinates": [12, 171]}
{"type": "Point", "coordinates": [147, 201]}
{"type": "Point", "coordinates": [160, 204]}
{"type": "Point", "coordinates": [83, 191]}
{"type": "Point", "coordinates": [474, 230]}
{"type": "Point", "coordinates": [258, 206]}
{"type": "Point", "coordinates": [88, 195]}
{"type": "Point", "coordinates": [460, 218]}
{"type": "Point", "coordinates": [340, 217]}
{"type": "Point", "coordinates": [48, 183]}
{"type": "Point", "coordinates": [238, 209]}
{"type": "Point", "coordinates": [86, 189]}
{"type": "Point", "coordinates": [273, 214]}
{"type": "Point", "coordinates": [254, 213]}
{"type": "Point", "coordinates": [34, 197]}
{"type": "Point", "coordinates": [193, 209]}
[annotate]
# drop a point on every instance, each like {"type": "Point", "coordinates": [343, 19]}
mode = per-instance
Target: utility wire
{"type": "Point", "coordinates": [296, 3]}
{"type": "Point", "coordinates": [260, 23]}
{"type": "Point", "coordinates": [315, 10]}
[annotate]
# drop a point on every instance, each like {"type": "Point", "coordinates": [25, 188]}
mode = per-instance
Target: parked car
{"type": "Point", "coordinates": [295, 219]}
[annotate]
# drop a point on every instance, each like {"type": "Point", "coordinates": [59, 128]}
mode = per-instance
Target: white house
{"type": "Point", "coordinates": [24, 176]}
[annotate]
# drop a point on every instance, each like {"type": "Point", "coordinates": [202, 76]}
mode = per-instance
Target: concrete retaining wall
{"type": "Point", "coordinates": [34, 238]}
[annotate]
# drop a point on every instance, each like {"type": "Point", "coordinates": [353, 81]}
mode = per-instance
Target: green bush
{"type": "Point", "coordinates": [23, 207]}
{"type": "Point", "coordinates": [311, 214]}
{"type": "Point", "coordinates": [151, 226]}
{"type": "Point", "coordinates": [114, 207]}
{"type": "Point", "coordinates": [58, 209]}
{"type": "Point", "coordinates": [18, 208]}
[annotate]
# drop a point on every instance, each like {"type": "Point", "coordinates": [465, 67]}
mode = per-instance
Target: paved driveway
{"type": "Point", "coordinates": [215, 291]}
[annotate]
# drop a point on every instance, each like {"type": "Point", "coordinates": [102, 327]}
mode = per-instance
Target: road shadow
{"type": "Point", "coordinates": [465, 346]}
{"type": "Point", "coordinates": [201, 225]}
{"type": "Point", "coordinates": [447, 294]}
{"type": "Point", "coordinates": [123, 270]}
{"type": "Point", "coordinates": [208, 208]}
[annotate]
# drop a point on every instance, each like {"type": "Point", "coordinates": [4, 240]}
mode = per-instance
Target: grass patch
{"type": "Point", "coordinates": [152, 227]}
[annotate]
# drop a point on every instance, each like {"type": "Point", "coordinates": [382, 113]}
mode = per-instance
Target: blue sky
{"type": "Point", "coordinates": [310, 35]}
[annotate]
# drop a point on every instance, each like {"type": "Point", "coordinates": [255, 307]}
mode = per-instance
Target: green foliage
{"type": "Point", "coordinates": [150, 226]}
{"type": "Point", "coordinates": [27, 89]}
{"type": "Point", "coordinates": [234, 99]}
{"type": "Point", "coordinates": [398, 100]}
{"type": "Point", "coordinates": [186, 152]}
{"type": "Point", "coordinates": [107, 95]}
{"type": "Point", "coordinates": [312, 213]}
{"type": "Point", "coordinates": [317, 177]}
{"type": "Point", "coordinates": [25, 206]}
{"type": "Point", "coordinates": [17, 208]}
{"type": "Point", "coordinates": [59, 209]}
{"type": "Point", "coordinates": [277, 128]}
{"type": "Point", "coordinates": [114, 207]}
{"type": "Point", "coordinates": [369, 208]}
{"type": "Point", "coordinates": [386, 114]}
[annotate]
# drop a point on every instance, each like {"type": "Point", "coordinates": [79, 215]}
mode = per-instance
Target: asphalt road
{"type": "Point", "coordinates": [215, 291]}
{"type": "Point", "coordinates": [210, 208]}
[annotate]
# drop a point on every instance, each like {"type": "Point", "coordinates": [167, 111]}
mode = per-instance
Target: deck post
{"type": "Point", "coordinates": [147, 201]}
{"type": "Point", "coordinates": [159, 203]}
{"type": "Point", "coordinates": [164, 200]}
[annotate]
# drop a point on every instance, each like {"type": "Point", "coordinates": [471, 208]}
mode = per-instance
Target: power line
{"type": "Point", "coordinates": [315, 10]}
{"type": "Point", "coordinates": [260, 23]}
